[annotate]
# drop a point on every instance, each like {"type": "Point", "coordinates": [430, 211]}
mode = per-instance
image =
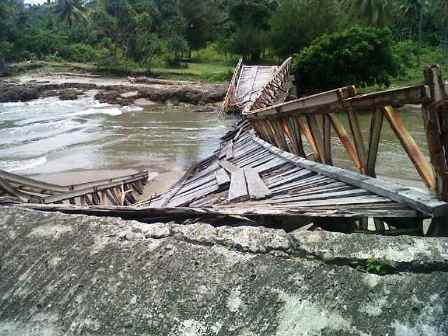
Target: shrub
{"type": "Point", "coordinates": [361, 56]}
{"type": "Point", "coordinates": [80, 52]}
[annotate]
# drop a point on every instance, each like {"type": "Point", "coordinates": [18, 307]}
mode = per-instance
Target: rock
{"type": "Point", "coordinates": [107, 276]}
{"type": "Point", "coordinates": [144, 102]}
{"type": "Point", "coordinates": [129, 94]}
{"type": "Point", "coordinates": [16, 93]}
{"type": "Point", "coordinates": [69, 94]}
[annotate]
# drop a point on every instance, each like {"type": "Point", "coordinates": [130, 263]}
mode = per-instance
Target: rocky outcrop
{"type": "Point", "coordinates": [115, 94]}
{"type": "Point", "coordinates": [78, 275]}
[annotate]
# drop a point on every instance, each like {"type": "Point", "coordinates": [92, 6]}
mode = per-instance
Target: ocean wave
{"type": "Point", "coordinates": [13, 166]}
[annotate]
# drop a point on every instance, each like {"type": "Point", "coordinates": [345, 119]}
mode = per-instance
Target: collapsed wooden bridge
{"type": "Point", "coordinates": [279, 162]}
{"type": "Point", "coordinates": [119, 191]}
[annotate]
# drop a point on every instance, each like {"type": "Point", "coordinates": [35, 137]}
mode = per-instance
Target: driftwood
{"type": "Point", "coordinates": [148, 80]}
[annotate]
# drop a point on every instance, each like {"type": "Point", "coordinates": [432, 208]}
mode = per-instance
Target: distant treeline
{"type": "Point", "coordinates": [164, 32]}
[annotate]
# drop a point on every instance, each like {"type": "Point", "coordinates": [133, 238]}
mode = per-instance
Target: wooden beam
{"type": "Point", "coordinates": [326, 126]}
{"type": "Point", "coordinates": [414, 152]}
{"type": "Point", "coordinates": [417, 94]}
{"type": "Point", "coordinates": [330, 100]}
{"type": "Point", "coordinates": [345, 140]}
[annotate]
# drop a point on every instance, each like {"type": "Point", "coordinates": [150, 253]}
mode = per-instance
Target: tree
{"type": "Point", "coordinates": [250, 27]}
{"type": "Point", "coordinates": [416, 9]}
{"type": "Point", "coordinates": [375, 13]}
{"type": "Point", "coordinates": [360, 56]}
{"type": "Point", "coordinates": [70, 11]}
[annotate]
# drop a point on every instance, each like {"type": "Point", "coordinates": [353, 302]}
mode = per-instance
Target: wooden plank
{"type": "Point", "coordinates": [323, 196]}
{"type": "Point", "coordinates": [238, 187]}
{"type": "Point", "coordinates": [376, 125]}
{"type": "Point", "coordinates": [146, 214]}
{"type": "Point", "coordinates": [230, 167]}
{"type": "Point", "coordinates": [229, 151]}
{"type": "Point", "coordinates": [222, 178]}
{"type": "Point", "coordinates": [256, 187]}
{"type": "Point", "coordinates": [417, 94]}
{"type": "Point", "coordinates": [414, 152]}
{"type": "Point", "coordinates": [418, 200]}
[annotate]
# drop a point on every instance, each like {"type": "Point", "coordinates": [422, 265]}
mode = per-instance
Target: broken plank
{"type": "Point", "coordinates": [238, 188]}
{"type": "Point", "coordinates": [222, 178]}
{"type": "Point", "coordinates": [256, 187]}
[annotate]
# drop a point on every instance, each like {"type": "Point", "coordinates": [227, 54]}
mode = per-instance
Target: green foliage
{"type": "Point", "coordinates": [290, 35]}
{"type": "Point", "coordinates": [378, 266]}
{"type": "Point", "coordinates": [361, 56]}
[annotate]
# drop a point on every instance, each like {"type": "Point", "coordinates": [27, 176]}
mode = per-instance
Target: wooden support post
{"type": "Point", "coordinates": [326, 125]}
{"type": "Point", "coordinates": [346, 141]}
{"type": "Point", "coordinates": [435, 117]}
{"type": "Point", "coordinates": [410, 146]}
{"type": "Point", "coordinates": [305, 129]}
{"type": "Point", "coordinates": [357, 138]}
{"type": "Point", "coordinates": [374, 140]}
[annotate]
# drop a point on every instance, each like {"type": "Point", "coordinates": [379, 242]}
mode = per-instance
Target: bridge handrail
{"type": "Point", "coordinates": [313, 118]}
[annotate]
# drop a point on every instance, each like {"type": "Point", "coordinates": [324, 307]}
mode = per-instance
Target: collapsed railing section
{"type": "Point", "coordinates": [314, 118]}
{"type": "Point", "coordinates": [275, 91]}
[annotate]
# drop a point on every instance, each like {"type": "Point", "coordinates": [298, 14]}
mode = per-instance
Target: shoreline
{"type": "Point", "coordinates": [46, 82]}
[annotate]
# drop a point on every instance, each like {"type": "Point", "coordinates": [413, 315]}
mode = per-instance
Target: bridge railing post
{"type": "Point", "coordinates": [435, 117]}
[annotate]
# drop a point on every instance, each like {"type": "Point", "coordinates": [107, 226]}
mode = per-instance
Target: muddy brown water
{"type": "Point", "coordinates": [72, 141]}
{"type": "Point", "coordinates": [69, 141]}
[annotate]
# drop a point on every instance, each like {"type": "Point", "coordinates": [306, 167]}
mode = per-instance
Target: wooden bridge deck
{"type": "Point", "coordinates": [248, 176]}
{"type": "Point", "coordinates": [251, 81]}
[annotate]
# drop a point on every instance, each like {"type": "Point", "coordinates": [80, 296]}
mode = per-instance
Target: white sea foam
{"type": "Point", "coordinates": [132, 108]}
{"type": "Point", "coordinates": [112, 111]}
{"type": "Point", "coordinates": [13, 166]}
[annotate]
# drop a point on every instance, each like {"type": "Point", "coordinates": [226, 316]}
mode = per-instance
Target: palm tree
{"type": "Point", "coordinates": [375, 12]}
{"type": "Point", "coordinates": [70, 10]}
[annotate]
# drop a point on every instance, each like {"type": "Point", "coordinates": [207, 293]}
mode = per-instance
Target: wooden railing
{"type": "Point", "coordinates": [229, 100]}
{"type": "Point", "coordinates": [312, 120]}
{"type": "Point", "coordinates": [276, 90]}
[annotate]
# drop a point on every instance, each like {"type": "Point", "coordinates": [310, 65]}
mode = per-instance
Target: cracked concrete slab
{"type": "Point", "coordinates": [104, 276]}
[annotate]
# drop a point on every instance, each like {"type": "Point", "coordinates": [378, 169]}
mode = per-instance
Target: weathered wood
{"type": "Point", "coordinates": [357, 138]}
{"type": "Point", "coordinates": [222, 178]}
{"type": "Point", "coordinates": [330, 100]}
{"type": "Point", "coordinates": [238, 188]}
{"type": "Point", "coordinates": [376, 125]}
{"type": "Point", "coordinates": [436, 124]}
{"type": "Point", "coordinates": [417, 94]}
{"type": "Point", "coordinates": [424, 202]}
{"type": "Point", "coordinates": [256, 187]}
{"type": "Point", "coordinates": [326, 133]}
{"type": "Point", "coordinates": [412, 149]}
